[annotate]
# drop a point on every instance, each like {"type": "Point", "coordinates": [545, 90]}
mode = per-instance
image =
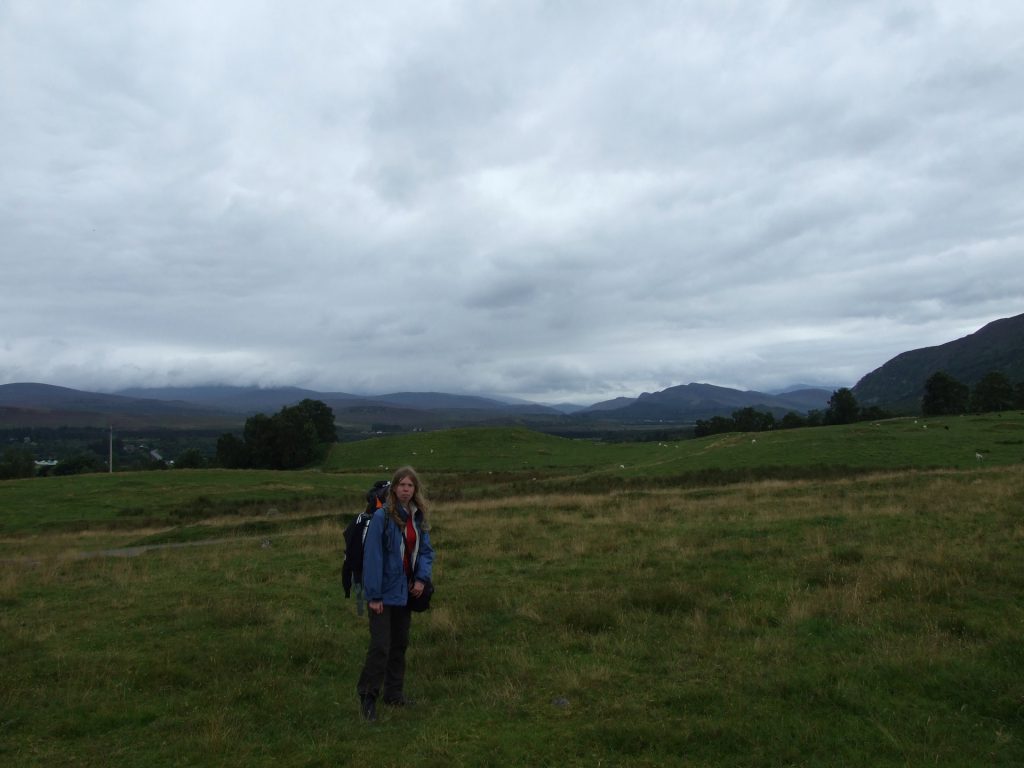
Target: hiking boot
{"type": "Point", "coordinates": [400, 701]}
{"type": "Point", "coordinates": [368, 708]}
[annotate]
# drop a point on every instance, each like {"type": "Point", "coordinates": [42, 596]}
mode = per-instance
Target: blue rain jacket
{"type": "Point", "coordinates": [383, 552]}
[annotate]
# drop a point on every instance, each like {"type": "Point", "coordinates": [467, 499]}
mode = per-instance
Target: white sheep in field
{"type": "Point", "coordinates": [979, 456]}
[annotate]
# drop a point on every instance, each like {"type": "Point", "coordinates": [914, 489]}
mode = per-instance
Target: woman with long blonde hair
{"type": "Point", "coordinates": [397, 566]}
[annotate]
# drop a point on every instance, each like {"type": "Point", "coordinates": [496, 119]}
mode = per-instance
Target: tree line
{"type": "Point", "coordinates": [842, 409]}
{"type": "Point", "coordinates": [943, 396]}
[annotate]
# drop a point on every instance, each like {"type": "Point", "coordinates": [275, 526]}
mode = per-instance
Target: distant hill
{"type": "Point", "coordinates": [798, 387]}
{"type": "Point", "coordinates": [227, 407]}
{"type": "Point", "coordinates": [899, 384]}
{"type": "Point", "coordinates": [407, 410]}
{"type": "Point", "coordinates": [689, 402]}
{"type": "Point", "coordinates": [255, 399]}
{"type": "Point", "coordinates": [439, 400]}
{"type": "Point", "coordinates": [45, 405]}
{"type": "Point", "coordinates": [247, 400]}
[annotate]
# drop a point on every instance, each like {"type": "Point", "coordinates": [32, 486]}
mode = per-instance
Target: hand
{"type": "Point", "coordinates": [417, 589]}
{"type": "Point", "coordinates": [377, 606]}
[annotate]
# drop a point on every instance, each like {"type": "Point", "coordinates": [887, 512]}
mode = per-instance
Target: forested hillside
{"type": "Point", "coordinates": [900, 383]}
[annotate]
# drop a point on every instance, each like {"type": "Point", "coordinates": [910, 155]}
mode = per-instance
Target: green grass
{"type": "Point", "coordinates": [890, 444]}
{"type": "Point", "coordinates": [469, 463]}
{"type": "Point", "coordinates": [130, 500]}
{"type": "Point", "coordinates": [868, 619]}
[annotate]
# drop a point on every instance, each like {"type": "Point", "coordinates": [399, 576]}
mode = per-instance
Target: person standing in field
{"type": "Point", "coordinates": [397, 564]}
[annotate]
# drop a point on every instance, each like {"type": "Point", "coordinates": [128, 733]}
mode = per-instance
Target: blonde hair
{"type": "Point", "coordinates": [419, 498]}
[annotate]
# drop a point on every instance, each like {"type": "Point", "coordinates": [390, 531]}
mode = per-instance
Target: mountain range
{"type": "Point", "coordinates": [896, 386]}
{"type": "Point", "coordinates": [25, 405]}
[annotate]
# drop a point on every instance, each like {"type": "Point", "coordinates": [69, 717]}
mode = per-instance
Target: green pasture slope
{"type": "Point", "coordinates": [855, 601]}
{"type": "Point", "coordinates": [468, 463]}
{"type": "Point", "coordinates": [892, 444]}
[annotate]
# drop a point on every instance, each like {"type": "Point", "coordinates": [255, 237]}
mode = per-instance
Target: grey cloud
{"type": "Point", "coordinates": [525, 199]}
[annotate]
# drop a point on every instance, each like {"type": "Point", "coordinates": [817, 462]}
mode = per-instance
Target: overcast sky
{"type": "Point", "coordinates": [561, 201]}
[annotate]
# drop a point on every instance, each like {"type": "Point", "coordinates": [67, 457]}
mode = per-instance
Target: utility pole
{"type": "Point", "coordinates": [110, 451]}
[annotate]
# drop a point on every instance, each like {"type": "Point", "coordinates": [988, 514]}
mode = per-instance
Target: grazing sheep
{"type": "Point", "coordinates": [979, 456]}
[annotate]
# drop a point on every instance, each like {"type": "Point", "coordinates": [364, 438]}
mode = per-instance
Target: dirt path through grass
{"type": "Point", "coordinates": [135, 551]}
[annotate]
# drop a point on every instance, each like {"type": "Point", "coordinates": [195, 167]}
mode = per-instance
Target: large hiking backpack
{"type": "Point", "coordinates": [355, 536]}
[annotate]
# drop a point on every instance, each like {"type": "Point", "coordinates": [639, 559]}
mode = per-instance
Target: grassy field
{"type": "Point", "coordinates": [596, 605]}
{"type": "Point", "coordinates": [892, 444]}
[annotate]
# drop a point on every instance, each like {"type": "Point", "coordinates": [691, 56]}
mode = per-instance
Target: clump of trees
{"type": "Point", "coordinates": [20, 461]}
{"type": "Point", "coordinates": [294, 437]}
{"type": "Point", "coordinates": [743, 420]}
{"type": "Point", "coordinates": [80, 464]}
{"type": "Point", "coordinates": [842, 409]}
{"type": "Point", "coordinates": [945, 396]}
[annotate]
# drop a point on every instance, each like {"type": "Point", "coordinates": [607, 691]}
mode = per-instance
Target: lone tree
{"type": "Point", "coordinates": [944, 396]}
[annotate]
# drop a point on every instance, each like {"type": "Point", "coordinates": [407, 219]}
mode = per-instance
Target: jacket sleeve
{"type": "Point", "coordinates": [373, 558]}
{"type": "Point", "coordinates": [425, 558]}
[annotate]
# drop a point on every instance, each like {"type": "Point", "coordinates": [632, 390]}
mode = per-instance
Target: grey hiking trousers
{"type": "Point", "coordinates": [385, 658]}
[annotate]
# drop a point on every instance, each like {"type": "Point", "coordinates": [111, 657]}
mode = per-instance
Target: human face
{"type": "Point", "coordinates": [404, 490]}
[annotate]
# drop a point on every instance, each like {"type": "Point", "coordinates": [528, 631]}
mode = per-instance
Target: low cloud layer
{"type": "Point", "coordinates": [555, 201]}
